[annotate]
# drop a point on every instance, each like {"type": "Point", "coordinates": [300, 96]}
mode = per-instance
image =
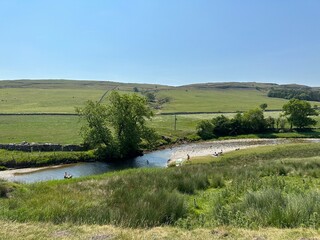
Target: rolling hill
{"type": "Point", "coordinates": [62, 96]}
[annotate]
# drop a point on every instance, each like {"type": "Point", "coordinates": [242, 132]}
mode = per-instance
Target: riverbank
{"type": "Point", "coordinates": [217, 148]}
{"type": "Point", "coordinates": [9, 174]}
{"type": "Point", "coordinates": [20, 159]}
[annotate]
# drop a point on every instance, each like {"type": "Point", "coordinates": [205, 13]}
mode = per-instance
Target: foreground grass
{"type": "Point", "coordinates": [144, 197]}
{"type": "Point", "coordinates": [13, 230]}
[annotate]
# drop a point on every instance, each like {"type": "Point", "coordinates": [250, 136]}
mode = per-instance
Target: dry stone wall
{"type": "Point", "coordinates": [42, 147]}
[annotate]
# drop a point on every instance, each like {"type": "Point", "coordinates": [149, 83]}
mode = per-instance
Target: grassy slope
{"type": "Point", "coordinates": [63, 96]}
{"type": "Point", "coordinates": [57, 96]}
{"type": "Point", "coordinates": [30, 100]}
{"type": "Point", "coordinates": [215, 100]}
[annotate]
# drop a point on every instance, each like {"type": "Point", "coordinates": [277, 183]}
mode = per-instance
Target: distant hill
{"type": "Point", "coordinates": [232, 85]}
{"type": "Point", "coordinates": [285, 91]}
{"type": "Point", "coordinates": [62, 96]}
{"type": "Point", "coordinates": [247, 85]}
{"type": "Point", "coordinates": [84, 84]}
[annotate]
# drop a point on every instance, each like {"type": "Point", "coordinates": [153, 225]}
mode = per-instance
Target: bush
{"type": "Point", "coordinates": [205, 129]}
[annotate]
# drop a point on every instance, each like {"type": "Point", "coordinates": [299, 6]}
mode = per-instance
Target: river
{"type": "Point", "coordinates": [153, 159]}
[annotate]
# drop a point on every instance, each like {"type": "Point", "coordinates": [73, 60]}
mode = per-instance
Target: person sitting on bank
{"type": "Point", "coordinates": [67, 176]}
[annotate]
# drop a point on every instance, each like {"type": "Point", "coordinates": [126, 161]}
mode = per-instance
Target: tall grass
{"type": "Point", "coordinates": [270, 207]}
{"type": "Point", "coordinates": [145, 197]}
{"type": "Point", "coordinates": [271, 186]}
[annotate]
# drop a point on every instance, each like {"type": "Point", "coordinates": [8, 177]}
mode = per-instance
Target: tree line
{"type": "Point", "coordinates": [301, 94]}
{"type": "Point", "coordinates": [298, 113]}
{"type": "Point", "coordinates": [118, 130]}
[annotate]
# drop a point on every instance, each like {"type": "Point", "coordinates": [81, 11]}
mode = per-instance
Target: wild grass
{"type": "Point", "coordinates": [14, 230]}
{"type": "Point", "coordinates": [145, 197]}
{"type": "Point", "coordinates": [268, 186]}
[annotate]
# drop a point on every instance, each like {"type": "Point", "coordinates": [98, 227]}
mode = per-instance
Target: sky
{"type": "Point", "coordinates": [172, 42]}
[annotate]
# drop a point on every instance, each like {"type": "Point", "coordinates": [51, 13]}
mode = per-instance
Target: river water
{"type": "Point", "coordinates": [153, 159]}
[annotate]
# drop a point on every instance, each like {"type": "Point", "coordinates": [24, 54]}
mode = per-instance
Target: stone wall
{"type": "Point", "coordinates": [42, 147]}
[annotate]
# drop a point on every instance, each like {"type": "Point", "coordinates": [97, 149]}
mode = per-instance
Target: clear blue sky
{"type": "Point", "coordinates": [171, 42]}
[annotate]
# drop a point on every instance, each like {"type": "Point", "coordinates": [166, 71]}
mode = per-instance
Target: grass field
{"type": "Point", "coordinates": [18, 100]}
{"type": "Point", "coordinates": [65, 129]}
{"type": "Point", "coordinates": [53, 129]}
{"type": "Point", "coordinates": [215, 100]}
{"type": "Point", "coordinates": [62, 96]}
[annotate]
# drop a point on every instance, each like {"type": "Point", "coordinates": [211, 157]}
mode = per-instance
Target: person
{"type": "Point", "coordinates": [67, 176]}
{"type": "Point", "coordinates": [188, 157]}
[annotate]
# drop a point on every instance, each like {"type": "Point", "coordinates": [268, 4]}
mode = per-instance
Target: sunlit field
{"type": "Point", "coordinates": [66, 129]}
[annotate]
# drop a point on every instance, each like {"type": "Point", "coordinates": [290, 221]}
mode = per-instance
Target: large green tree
{"type": "Point", "coordinates": [118, 128]}
{"type": "Point", "coordinates": [127, 115]}
{"type": "Point", "coordinates": [95, 132]}
{"type": "Point", "coordinates": [254, 121]}
{"type": "Point", "coordinates": [299, 112]}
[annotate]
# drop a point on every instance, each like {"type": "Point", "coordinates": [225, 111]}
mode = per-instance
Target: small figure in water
{"type": "Point", "coordinates": [148, 162]}
{"type": "Point", "coordinates": [67, 176]}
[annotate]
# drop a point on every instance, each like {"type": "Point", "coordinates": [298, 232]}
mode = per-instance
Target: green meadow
{"type": "Point", "coordinates": [217, 100]}
{"type": "Point", "coordinates": [65, 129]}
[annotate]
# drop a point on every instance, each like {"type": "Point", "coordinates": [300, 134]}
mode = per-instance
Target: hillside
{"type": "Point", "coordinates": [76, 84]}
{"type": "Point", "coordinates": [62, 96]}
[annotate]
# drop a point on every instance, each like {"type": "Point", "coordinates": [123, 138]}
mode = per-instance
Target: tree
{"type": "Point", "coordinates": [222, 125]}
{"type": "Point", "coordinates": [263, 106]}
{"type": "Point", "coordinates": [205, 129]}
{"type": "Point", "coordinates": [237, 124]}
{"type": "Point", "coordinates": [298, 113]}
{"type": "Point", "coordinates": [270, 121]}
{"type": "Point", "coordinates": [254, 121]}
{"type": "Point", "coordinates": [151, 97]}
{"type": "Point", "coordinates": [126, 115]}
{"type": "Point", "coordinates": [96, 132]}
{"type": "Point", "coordinates": [135, 89]}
